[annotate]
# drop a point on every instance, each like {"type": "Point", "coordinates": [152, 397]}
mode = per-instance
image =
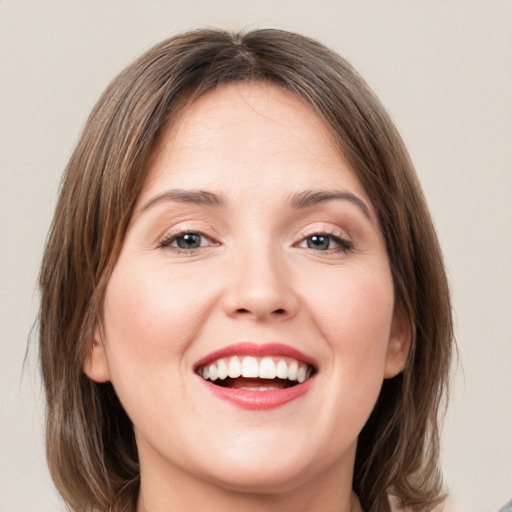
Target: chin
{"type": "Point", "coordinates": [276, 470]}
{"type": "Point", "coordinates": [268, 478]}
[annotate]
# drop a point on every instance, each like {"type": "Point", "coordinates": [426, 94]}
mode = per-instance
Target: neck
{"type": "Point", "coordinates": [184, 493]}
{"type": "Point", "coordinates": [249, 503]}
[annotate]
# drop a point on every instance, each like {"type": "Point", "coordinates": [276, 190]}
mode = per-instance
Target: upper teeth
{"type": "Point", "coordinates": [256, 367]}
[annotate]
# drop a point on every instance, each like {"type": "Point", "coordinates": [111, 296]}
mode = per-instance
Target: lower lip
{"type": "Point", "coordinates": [258, 400]}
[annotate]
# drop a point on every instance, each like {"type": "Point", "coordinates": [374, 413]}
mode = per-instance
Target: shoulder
{"type": "Point", "coordinates": [507, 507]}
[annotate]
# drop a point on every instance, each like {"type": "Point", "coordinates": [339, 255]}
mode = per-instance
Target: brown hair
{"type": "Point", "coordinates": [90, 443]}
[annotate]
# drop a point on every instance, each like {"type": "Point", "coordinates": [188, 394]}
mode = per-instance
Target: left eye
{"type": "Point", "coordinates": [325, 242]}
{"type": "Point", "coordinates": [186, 241]}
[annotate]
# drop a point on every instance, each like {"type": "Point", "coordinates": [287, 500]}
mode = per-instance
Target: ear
{"type": "Point", "coordinates": [96, 364]}
{"type": "Point", "coordinates": [399, 344]}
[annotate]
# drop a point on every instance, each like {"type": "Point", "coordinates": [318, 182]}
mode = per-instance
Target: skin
{"type": "Point", "coordinates": [256, 278]}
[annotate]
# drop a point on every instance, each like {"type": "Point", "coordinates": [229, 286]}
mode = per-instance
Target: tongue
{"type": "Point", "coordinates": [256, 384]}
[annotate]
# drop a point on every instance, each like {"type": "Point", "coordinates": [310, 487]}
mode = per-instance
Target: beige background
{"type": "Point", "coordinates": [444, 70]}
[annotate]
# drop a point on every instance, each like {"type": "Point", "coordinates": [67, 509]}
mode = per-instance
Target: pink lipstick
{"type": "Point", "coordinates": [253, 376]}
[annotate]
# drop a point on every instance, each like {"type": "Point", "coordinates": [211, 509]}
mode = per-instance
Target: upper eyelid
{"type": "Point", "coordinates": [206, 229]}
{"type": "Point", "coordinates": [181, 226]}
{"type": "Point", "coordinates": [169, 233]}
{"type": "Point", "coordinates": [343, 234]}
{"type": "Point", "coordinates": [169, 237]}
{"type": "Point", "coordinates": [328, 234]}
{"type": "Point", "coordinates": [340, 237]}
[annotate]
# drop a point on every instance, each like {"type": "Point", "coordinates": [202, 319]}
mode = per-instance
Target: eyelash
{"type": "Point", "coordinates": [166, 243]}
{"type": "Point", "coordinates": [343, 245]}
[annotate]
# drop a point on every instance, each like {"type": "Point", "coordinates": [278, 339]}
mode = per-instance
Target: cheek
{"type": "Point", "coordinates": [354, 312]}
{"type": "Point", "coordinates": [357, 304]}
{"type": "Point", "coordinates": [150, 318]}
{"type": "Point", "coordinates": [148, 307]}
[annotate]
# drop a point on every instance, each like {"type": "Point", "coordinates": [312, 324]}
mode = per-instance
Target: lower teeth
{"type": "Point", "coordinates": [252, 385]}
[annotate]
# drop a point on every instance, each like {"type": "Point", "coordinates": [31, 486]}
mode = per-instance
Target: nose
{"type": "Point", "coordinates": [260, 288]}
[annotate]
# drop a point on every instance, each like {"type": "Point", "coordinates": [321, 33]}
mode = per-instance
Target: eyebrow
{"type": "Point", "coordinates": [299, 200]}
{"type": "Point", "coordinates": [309, 198]}
{"type": "Point", "coordinates": [201, 197]}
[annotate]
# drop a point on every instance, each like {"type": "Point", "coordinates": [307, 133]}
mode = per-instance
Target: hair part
{"type": "Point", "coordinates": [91, 449]}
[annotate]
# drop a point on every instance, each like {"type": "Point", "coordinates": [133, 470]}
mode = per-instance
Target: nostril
{"type": "Point", "coordinates": [279, 311]}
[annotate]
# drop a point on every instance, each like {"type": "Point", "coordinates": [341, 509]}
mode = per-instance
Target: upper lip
{"type": "Point", "coordinates": [256, 350]}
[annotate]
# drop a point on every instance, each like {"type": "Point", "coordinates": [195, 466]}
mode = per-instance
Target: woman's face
{"type": "Point", "coordinates": [254, 258]}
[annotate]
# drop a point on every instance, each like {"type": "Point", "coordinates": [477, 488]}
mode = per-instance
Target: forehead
{"type": "Point", "coordinates": [258, 134]}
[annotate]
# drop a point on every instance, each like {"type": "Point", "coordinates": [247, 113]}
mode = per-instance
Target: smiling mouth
{"type": "Point", "coordinates": [256, 373]}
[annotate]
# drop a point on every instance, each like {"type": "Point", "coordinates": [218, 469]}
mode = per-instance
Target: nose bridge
{"type": "Point", "coordinates": [258, 283]}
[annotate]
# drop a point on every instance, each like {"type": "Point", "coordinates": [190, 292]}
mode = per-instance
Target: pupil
{"type": "Point", "coordinates": [318, 242]}
{"type": "Point", "coordinates": [189, 241]}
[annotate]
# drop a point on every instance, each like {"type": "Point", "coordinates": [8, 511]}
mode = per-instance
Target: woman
{"type": "Point", "coordinates": [244, 304]}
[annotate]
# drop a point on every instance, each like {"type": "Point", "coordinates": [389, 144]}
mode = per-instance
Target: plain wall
{"type": "Point", "coordinates": [444, 70]}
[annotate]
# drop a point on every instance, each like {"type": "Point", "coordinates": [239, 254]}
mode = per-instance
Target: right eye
{"type": "Point", "coordinates": [186, 241]}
